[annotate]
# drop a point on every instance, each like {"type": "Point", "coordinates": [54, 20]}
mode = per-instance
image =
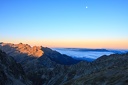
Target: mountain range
{"type": "Point", "coordinates": [21, 64]}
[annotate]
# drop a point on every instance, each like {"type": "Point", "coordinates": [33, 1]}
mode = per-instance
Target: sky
{"type": "Point", "coordinates": [65, 23]}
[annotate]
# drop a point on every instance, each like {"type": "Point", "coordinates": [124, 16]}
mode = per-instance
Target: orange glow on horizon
{"type": "Point", "coordinates": [117, 44]}
{"type": "Point", "coordinates": [110, 44]}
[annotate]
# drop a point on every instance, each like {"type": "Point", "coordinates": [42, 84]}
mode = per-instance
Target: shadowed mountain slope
{"type": "Point", "coordinates": [11, 73]}
{"type": "Point", "coordinates": [106, 70]}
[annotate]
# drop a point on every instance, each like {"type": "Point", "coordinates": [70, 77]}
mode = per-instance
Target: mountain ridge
{"type": "Point", "coordinates": [44, 70]}
{"type": "Point", "coordinates": [26, 51]}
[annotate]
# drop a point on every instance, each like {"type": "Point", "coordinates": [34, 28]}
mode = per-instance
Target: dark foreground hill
{"type": "Point", "coordinates": [11, 73]}
{"type": "Point", "coordinates": [106, 70]}
{"type": "Point", "coordinates": [42, 66]}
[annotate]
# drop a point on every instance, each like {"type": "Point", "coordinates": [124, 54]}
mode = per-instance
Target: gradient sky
{"type": "Point", "coordinates": [65, 23]}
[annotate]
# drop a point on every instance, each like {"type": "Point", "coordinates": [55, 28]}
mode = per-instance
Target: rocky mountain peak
{"type": "Point", "coordinates": [34, 51]}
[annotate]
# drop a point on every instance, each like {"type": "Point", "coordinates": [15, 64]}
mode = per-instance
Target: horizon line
{"type": "Point", "coordinates": [69, 47]}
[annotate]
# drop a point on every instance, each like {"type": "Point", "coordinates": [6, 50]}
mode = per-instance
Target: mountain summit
{"type": "Point", "coordinates": [20, 48]}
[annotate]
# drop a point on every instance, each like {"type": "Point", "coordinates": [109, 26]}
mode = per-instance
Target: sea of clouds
{"type": "Point", "coordinates": [86, 54]}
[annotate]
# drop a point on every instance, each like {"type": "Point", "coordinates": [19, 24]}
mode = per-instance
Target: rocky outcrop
{"type": "Point", "coordinates": [11, 73]}
{"type": "Point", "coordinates": [20, 48]}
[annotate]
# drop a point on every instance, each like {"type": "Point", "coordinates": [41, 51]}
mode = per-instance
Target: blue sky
{"type": "Point", "coordinates": [38, 21]}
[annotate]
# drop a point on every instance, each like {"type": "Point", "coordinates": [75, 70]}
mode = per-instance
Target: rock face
{"type": "Point", "coordinates": [11, 73]}
{"type": "Point", "coordinates": [20, 48]}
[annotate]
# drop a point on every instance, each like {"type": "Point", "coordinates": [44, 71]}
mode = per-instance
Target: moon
{"type": "Point", "coordinates": [86, 7]}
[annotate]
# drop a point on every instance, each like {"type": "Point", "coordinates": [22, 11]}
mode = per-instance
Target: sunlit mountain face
{"type": "Point", "coordinates": [88, 54]}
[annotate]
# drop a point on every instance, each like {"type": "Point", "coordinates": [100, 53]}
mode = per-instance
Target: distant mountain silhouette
{"type": "Point", "coordinates": [87, 49]}
{"type": "Point", "coordinates": [88, 54]}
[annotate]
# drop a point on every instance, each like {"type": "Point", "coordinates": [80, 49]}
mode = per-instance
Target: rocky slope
{"type": "Point", "coordinates": [50, 67]}
{"type": "Point", "coordinates": [59, 58]}
{"type": "Point", "coordinates": [11, 73]}
{"type": "Point", "coordinates": [107, 70]}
